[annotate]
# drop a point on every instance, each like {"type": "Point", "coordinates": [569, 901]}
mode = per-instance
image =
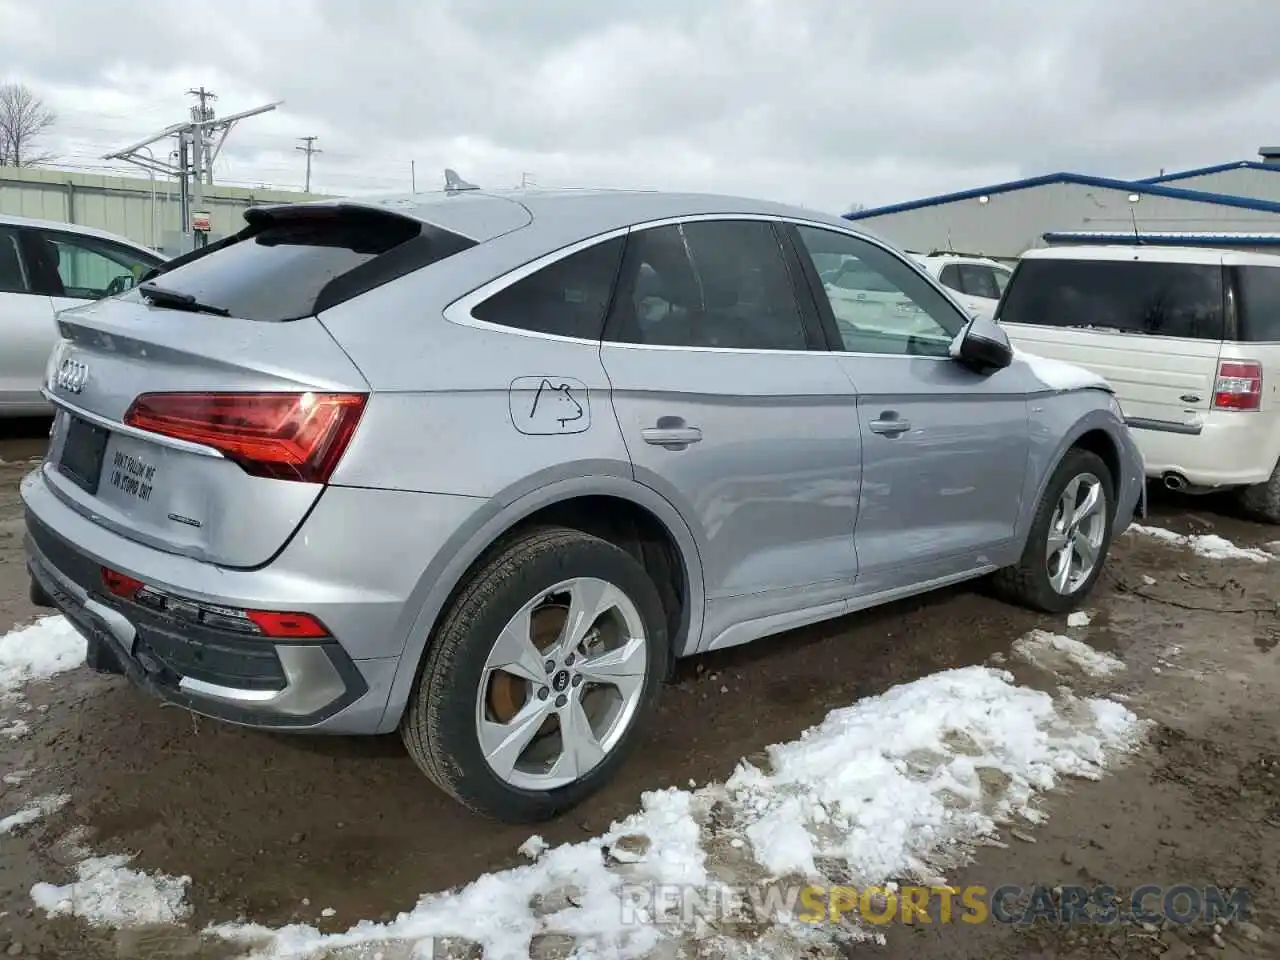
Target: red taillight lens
{"type": "Point", "coordinates": [295, 626]}
{"type": "Point", "coordinates": [120, 584]}
{"type": "Point", "coordinates": [1239, 385]}
{"type": "Point", "coordinates": [285, 436]}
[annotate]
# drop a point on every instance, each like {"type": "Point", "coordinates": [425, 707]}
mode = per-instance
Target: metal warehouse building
{"type": "Point", "coordinates": [145, 211]}
{"type": "Point", "coordinates": [1232, 205]}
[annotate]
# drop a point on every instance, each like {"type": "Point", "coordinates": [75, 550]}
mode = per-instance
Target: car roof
{"type": "Point", "coordinates": [485, 214]}
{"type": "Point", "coordinates": [11, 221]}
{"type": "Point", "coordinates": [1152, 254]}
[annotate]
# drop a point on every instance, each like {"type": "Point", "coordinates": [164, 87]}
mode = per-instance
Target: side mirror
{"type": "Point", "coordinates": [982, 346]}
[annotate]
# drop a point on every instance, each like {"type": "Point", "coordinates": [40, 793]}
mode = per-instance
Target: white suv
{"type": "Point", "coordinates": [1190, 340]}
{"type": "Point", "coordinates": [976, 282]}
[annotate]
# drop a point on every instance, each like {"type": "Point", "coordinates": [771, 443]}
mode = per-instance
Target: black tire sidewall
{"type": "Point", "coordinates": [1075, 463]}
{"type": "Point", "coordinates": [457, 685]}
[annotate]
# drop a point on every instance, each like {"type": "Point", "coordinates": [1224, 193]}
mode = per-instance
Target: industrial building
{"type": "Point", "coordinates": [146, 211]}
{"type": "Point", "coordinates": [1230, 205]}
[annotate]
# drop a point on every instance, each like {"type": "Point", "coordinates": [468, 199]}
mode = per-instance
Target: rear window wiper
{"type": "Point", "coordinates": [163, 297]}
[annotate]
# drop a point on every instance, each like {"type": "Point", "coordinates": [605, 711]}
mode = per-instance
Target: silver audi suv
{"type": "Point", "coordinates": [479, 467]}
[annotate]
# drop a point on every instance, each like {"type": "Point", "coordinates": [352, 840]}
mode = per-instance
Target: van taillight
{"type": "Point", "coordinates": [1239, 385]}
{"type": "Point", "coordinates": [285, 436]}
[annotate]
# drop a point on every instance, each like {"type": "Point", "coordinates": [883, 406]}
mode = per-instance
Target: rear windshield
{"type": "Point", "coordinates": [300, 264]}
{"type": "Point", "coordinates": [1163, 299]}
{"type": "Point", "coordinates": [1259, 307]}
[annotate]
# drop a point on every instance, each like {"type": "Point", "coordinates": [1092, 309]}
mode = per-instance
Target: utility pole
{"type": "Point", "coordinates": [200, 140]}
{"type": "Point", "coordinates": [413, 176]}
{"type": "Point", "coordinates": [309, 149]}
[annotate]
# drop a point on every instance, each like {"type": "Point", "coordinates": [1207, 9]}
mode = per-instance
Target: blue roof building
{"type": "Point", "coordinates": [1236, 203]}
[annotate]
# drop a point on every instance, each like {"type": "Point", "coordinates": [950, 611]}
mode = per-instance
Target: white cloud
{"type": "Point", "coordinates": [823, 103]}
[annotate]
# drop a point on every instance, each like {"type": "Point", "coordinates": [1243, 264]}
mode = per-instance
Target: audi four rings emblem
{"type": "Point", "coordinates": [72, 376]}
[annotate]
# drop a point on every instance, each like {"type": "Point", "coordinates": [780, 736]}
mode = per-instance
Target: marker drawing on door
{"type": "Point", "coordinates": [547, 406]}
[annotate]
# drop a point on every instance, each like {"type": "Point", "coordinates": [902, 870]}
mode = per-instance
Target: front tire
{"type": "Point", "coordinates": [1069, 539]}
{"type": "Point", "coordinates": [538, 676]}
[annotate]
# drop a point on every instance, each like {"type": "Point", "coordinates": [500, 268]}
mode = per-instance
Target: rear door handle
{"type": "Point", "coordinates": [890, 425]}
{"type": "Point", "coordinates": [671, 436]}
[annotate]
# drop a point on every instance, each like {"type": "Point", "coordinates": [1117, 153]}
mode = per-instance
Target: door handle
{"type": "Point", "coordinates": [671, 436]}
{"type": "Point", "coordinates": [890, 424]}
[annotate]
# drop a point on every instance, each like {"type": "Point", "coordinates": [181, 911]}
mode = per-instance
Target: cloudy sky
{"type": "Point", "coordinates": [825, 103]}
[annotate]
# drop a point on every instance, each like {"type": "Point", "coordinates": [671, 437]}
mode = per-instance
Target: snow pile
{"type": "Point", "coordinates": [42, 650]}
{"type": "Point", "coordinates": [1059, 375]}
{"type": "Point", "coordinates": [888, 786]}
{"type": "Point", "coordinates": [1078, 619]}
{"type": "Point", "coordinates": [1052, 651]}
{"type": "Point", "coordinates": [1206, 545]}
{"type": "Point", "coordinates": [29, 814]}
{"type": "Point", "coordinates": [108, 893]}
{"type": "Point", "coordinates": [890, 782]}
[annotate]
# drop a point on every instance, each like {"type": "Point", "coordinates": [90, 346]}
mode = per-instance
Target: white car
{"type": "Point", "coordinates": [976, 282]}
{"type": "Point", "coordinates": [46, 267]}
{"type": "Point", "coordinates": [1190, 340]}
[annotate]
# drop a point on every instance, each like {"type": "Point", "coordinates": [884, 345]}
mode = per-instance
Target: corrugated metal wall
{"type": "Point", "coordinates": [1009, 223]}
{"type": "Point", "coordinates": [126, 205]}
{"type": "Point", "coordinates": [1241, 182]}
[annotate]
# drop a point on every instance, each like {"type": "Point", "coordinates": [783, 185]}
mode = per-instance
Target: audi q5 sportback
{"type": "Point", "coordinates": [479, 466]}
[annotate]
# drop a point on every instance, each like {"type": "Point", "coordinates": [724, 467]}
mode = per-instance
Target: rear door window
{"type": "Point", "coordinates": [296, 264]}
{"type": "Point", "coordinates": [1259, 307]}
{"type": "Point", "coordinates": [716, 283]}
{"type": "Point", "coordinates": [1160, 299]}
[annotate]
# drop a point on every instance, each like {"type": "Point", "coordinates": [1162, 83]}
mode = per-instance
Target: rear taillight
{"type": "Point", "coordinates": [1239, 385]}
{"type": "Point", "coordinates": [285, 436]}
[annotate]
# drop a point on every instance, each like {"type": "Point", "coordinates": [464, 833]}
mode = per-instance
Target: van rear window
{"type": "Point", "coordinates": [1162, 299]}
{"type": "Point", "coordinates": [1259, 307]}
{"type": "Point", "coordinates": [294, 263]}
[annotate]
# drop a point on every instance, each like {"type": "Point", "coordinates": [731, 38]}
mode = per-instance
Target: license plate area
{"type": "Point", "coordinates": [83, 449]}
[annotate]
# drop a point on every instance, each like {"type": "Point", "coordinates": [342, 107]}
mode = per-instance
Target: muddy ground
{"type": "Point", "coordinates": [261, 822]}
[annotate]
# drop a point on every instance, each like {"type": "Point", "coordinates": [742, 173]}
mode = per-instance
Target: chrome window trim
{"type": "Point", "coordinates": [460, 310]}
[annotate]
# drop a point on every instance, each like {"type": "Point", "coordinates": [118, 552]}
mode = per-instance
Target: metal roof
{"type": "Point", "coordinates": [1216, 168]}
{"type": "Point", "coordinates": [1166, 239]}
{"type": "Point", "coordinates": [1080, 179]}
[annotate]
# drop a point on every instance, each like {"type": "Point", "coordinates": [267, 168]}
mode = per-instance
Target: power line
{"type": "Point", "coordinates": [309, 149]}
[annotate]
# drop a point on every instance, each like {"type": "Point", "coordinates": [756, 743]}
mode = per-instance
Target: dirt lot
{"type": "Point", "coordinates": [260, 822]}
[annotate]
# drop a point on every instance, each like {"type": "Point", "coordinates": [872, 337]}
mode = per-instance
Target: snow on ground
{"type": "Point", "coordinates": [42, 650]}
{"type": "Point", "coordinates": [1206, 545]}
{"type": "Point", "coordinates": [1078, 619]}
{"type": "Point", "coordinates": [29, 814]}
{"type": "Point", "coordinates": [899, 785]}
{"type": "Point", "coordinates": [108, 893]}
{"type": "Point", "coordinates": [1054, 652]}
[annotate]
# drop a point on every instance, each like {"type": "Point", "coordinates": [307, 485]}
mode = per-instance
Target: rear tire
{"type": "Point", "coordinates": [1262, 500]}
{"type": "Point", "coordinates": [486, 713]}
{"type": "Point", "coordinates": [1060, 536]}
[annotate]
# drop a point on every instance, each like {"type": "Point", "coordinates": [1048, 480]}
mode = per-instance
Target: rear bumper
{"type": "Point", "coordinates": [246, 680]}
{"type": "Point", "coordinates": [1230, 449]}
{"type": "Point", "coordinates": [357, 565]}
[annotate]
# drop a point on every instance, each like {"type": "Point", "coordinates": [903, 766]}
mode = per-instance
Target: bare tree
{"type": "Point", "coordinates": [23, 120]}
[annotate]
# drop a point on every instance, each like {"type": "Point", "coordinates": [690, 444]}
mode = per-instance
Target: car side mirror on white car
{"type": "Point", "coordinates": [982, 346]}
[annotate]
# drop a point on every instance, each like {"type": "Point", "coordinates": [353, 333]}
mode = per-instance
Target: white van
{"type": "Point", "coordinates": [1189, 338]}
